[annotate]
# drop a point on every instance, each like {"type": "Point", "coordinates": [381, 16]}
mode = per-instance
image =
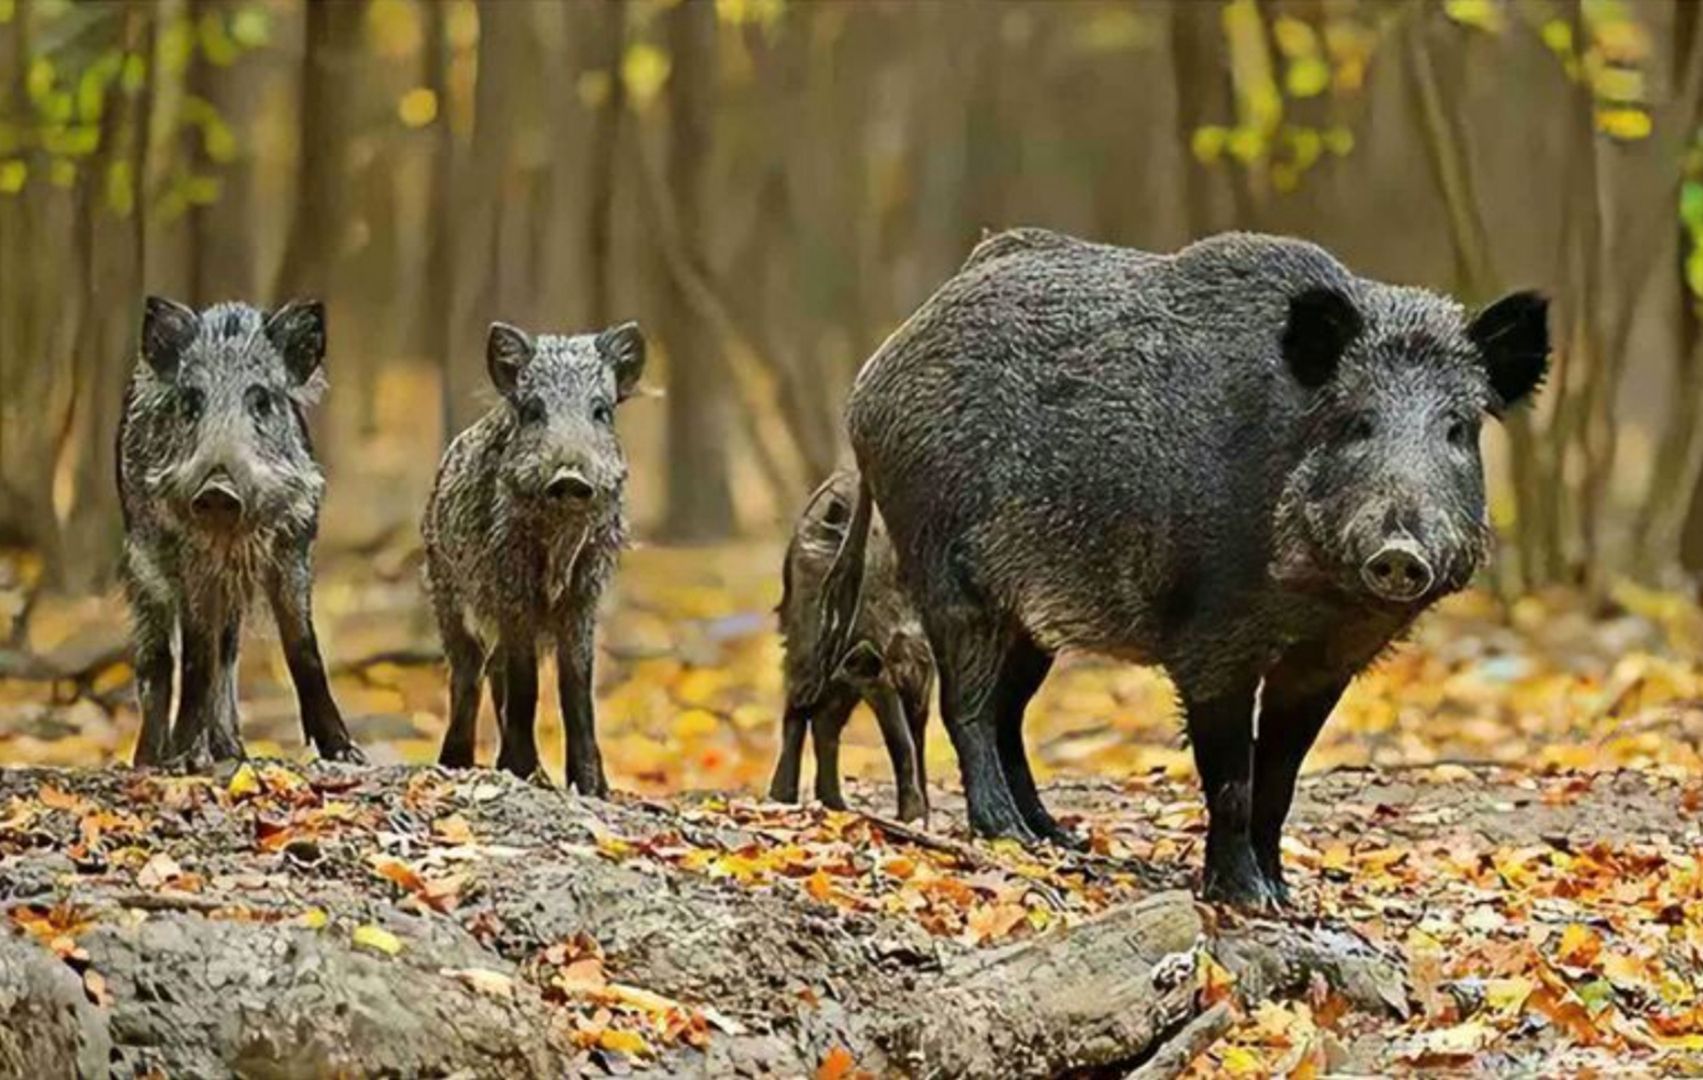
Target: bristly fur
{"type": "Point", "coordinates": [222, 394]}
{"type": "Point", "coordinates": [508, 569]}
{"type": "Point", "coordinates": [1212, 461]}
{"type": "Point", "coordinates": [887, 654]}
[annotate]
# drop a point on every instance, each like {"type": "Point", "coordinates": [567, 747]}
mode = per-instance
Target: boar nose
{"type": "Point", "coordinates": [569, 485]}
{"type": "Point", "coordinates": [1398, 571]}
{"type": "Point", "coordinates": [217, 498]}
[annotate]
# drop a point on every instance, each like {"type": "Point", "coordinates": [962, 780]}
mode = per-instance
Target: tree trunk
{"type": "Point", "coordinates": [699, 481]}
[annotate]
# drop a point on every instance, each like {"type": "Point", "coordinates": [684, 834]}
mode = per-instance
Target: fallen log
{"type": "Point", "coordinates": [412, 922]}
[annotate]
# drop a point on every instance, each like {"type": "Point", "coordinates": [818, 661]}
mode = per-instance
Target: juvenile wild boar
{"type": "Point", "coordinates": [1241, 462]}
{"type": "Point", "coordinates": [886, 662]}
{"type": "Point", "coordinates": [220, 493]}
{"type": "Point", "coordinates": [523, 530]}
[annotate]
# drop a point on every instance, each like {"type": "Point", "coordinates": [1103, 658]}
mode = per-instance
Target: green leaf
{"type": "Point", "coordinates": [38, 83]}
{"type": "Point", "coordinates": [121, 188]}
{"type": "Point", "coordinates": [1208, 143]}
{"type": "Point", "coordinates": [1485, 15]}
{"type": "Point", "coordinates": [1691, 206]}
{"type": "Point", "coordinates": [644, 70]}
{"type": "Point", "coordinates": [135, 74]}
{"type": "Point", "coordinates": [12, 176]}
{"type": "Point", "coordinates": [1693, 261]}
{"type": "Point", "coordinates": [251, 26]}
{"type": "Point", "coordinates": [1307, 77]}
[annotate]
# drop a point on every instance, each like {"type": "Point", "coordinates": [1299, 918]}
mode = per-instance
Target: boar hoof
{"type": "Point", "coordinates": [912, 806]}
{"type": "Point", "coordinates": [1240, 884]}
{"type": "Point", "coordinates": [347, 754]}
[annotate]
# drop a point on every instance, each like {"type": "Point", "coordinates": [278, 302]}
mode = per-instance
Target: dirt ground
{"type": "Point", "coordinates": [1507, 809]}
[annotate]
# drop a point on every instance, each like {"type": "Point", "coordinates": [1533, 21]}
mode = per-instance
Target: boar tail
{"type": "Point", "coordinates": [842, 592]}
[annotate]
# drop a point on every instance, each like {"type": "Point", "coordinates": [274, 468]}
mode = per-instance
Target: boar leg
{"type": "Point", "coordinates": [1290, 719]}
{"type": "Point", "coordinates": [198, 691]}
{"type": "Point", "coordinates": [914, 697]}
{"type": "Point", "coordinates": [1021, 673]}
{"type": "Point", "coordinates": [969, 652]}
{"type": "Point", "coordinates": [784, 786]}
{"type": "Point", "coordinates": [466, 658]}
{"type": "Point", "coordinates": [575, 657]}
{"type": "Point", "coordinates": [291, 596]}
{"type": "Point", "coordinates": [519, 751]}
{"type": "Point", "coordinates": [890, 714]}
{"type": "Point", "coordinates": [154, 623]}
{"type": "Point", "coordinates": [827, 720]}
{"type": "Point", "coordinates": [1221, 731]}
{"type": "Point", "coordinates": [224, 739]}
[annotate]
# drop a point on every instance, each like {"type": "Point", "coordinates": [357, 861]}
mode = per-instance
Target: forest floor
{"type": "Point", "coordinates": [1507, 810]}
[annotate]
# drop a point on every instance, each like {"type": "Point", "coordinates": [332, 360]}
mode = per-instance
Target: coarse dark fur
{"type": "Point", "coordinates": [886, 662]}
{"type": "Point", "coordinates": [220, 493]}
{"type": "Point", "coordinates": [523, 530]}
{"type": "Point", "coordinates": [1241, 462]}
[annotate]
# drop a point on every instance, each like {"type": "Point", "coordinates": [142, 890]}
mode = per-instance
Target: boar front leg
{"type": "Point", "coordinates": [199, 691]}
{"type": "Point", "coordinates": [827, 721]}
{"type": "Point", "coordinates": [896, 733]}
{"type": "Point", "coordinates": [1220, 729]}
{"type": "Point", "coordinates": [152, 634]}
{"type": "Point", "coordinates": [1292, 711]}
{"type": "Point", "coordinates": [224, 737]}
{"type": "Point", "coordinates": [291, 596]}
{"type": "Point", "coordinates": [518, 705]}
{"type": "Point", "coordinates": [575, 656]}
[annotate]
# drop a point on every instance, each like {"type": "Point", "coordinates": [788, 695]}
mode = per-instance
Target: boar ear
{"type": "Point", "coordinates": [1322, 324]}
{"type": "Point", "coordinates": [168, 328]}
{"type": "Point", "coordinates": [297, 331]}
{"type": "Point", "coordinates": [623, 349]}
{"type": "Point", "coordinates": [507, 350]}
{"type": "Point", "coordinates": [1512, 336]}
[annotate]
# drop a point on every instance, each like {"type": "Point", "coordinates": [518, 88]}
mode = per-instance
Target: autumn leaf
{"type": "Point", "coordinates": [836, 1064]}
{"type": "Point", "coordinates": [368, 936]}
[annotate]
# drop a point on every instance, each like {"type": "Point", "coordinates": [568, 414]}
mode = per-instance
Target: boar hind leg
{"type": "Point", "coordinates": [518, 707]}
{"type": "Point", "coordinates": [1221, 732]}
{"type": "Point", "coordinates": [154, 623]}
{"type": "Point", "coordinates": [914, 697]}
{"type": "Point", "coordinates": [1021, 673]}
{"type": "Point", "coordinates": [292, 606]}
{"type": "Point", "coordinates": [970, 653]}
{"type": "Point", "coordinates": [794, 725]}
{"type": "Point", "coordinates": [890, 714]}
{"type": "Point", "coordinates": [1290, 720]}
{"type": "Point", "coordinates": [827, 721]}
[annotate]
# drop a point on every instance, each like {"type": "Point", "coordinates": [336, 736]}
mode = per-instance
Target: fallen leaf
{"type": "Point", "coordinates": [377, 939]}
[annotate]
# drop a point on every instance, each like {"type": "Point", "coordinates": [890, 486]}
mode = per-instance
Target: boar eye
{"type": "Point", "coordinates": [191, 403]}
{"type": "Point", "coordinates": [1359, 428]}
{"type": "Point", "coordinates": [1460, 433]}
{"type": "Point", "coordinates": [531, 411]}
{"type": "Point", "coordinates": [260, 402]}
{"type": "Point", "coordinates": [602, 413]}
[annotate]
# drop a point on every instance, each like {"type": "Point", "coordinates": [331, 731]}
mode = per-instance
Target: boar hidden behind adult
{"type": "Point", "coordinates": [1241, 462]}
{"type": "Point", "coordinates": [220, 493]}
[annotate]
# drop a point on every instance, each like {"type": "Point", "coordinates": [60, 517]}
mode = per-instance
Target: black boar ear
{"type": "Point", "coordinates": [297, 331]}
{"type": "Point", "coordinates": [623, 348]}
{"type": "Point", "coordinates": [1512, 336]}
{"type": "Point", "coordinates": [507, 351]}
{"type": "Point", "coordinates": [1322, 324]}
{"type": "Point", "coordinates": [168, 328]}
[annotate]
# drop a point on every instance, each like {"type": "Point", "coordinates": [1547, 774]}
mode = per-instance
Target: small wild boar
{"type": "Point", "coordinates": [886, 662]}
{"type": "Point", "coordinates": [220, 493]}
{"type": "Point", "coordinates": [523, 530]}
{"type": "Point", "coordinates": [1242, 462]}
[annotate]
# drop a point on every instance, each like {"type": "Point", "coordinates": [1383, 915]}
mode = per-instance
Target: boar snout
{"type": "Point", "coordinates": [569, 486]}
{"type": "Point", "coordinates": [217, 499]}
{"type": "Point", "coordinates": [1398, 571]}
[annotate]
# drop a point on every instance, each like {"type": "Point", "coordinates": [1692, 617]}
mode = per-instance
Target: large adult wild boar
{"type": "Point", "coordinates": [1241, 462]}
